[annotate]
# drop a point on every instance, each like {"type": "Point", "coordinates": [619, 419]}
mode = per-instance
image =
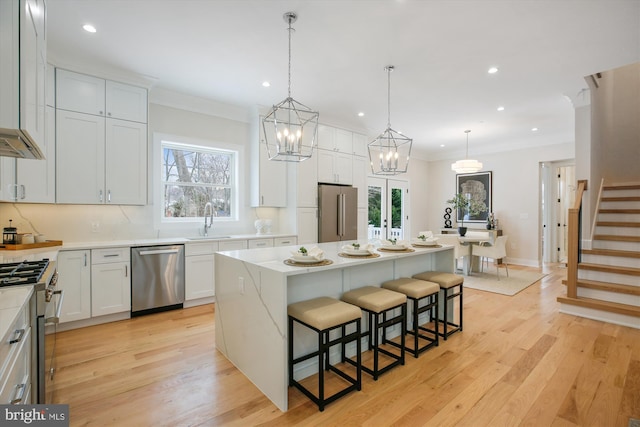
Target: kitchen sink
{"type": "Point", "coordinates": [208, 237]}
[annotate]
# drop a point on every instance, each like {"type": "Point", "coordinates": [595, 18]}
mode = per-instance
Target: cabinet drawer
{"type": "Point", "coordinates": [203, 248]}
{"type": "Point", "coordinates": [260, 243]}
{"type": "Point", "coordinates": [105, 256]}
{"type": "Point", "coordinates": [285, 241]}
{"type": "Point", "coordinates": [15, 381]}
{"type": "Point", "coordinates": [232, 245]}
{"type": "Point", "coordinates": [17, 331]}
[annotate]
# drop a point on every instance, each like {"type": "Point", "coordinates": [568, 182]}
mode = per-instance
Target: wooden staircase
{"type": "Point", "coordinates": [608, 275]}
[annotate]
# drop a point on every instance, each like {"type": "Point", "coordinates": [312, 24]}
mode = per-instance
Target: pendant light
{"type": "Point", "coordinates": [389, 152]}
{"type": "Point", "coordinates": [290, 128]}
{"type": "Point", "coordinates": [467, 165]}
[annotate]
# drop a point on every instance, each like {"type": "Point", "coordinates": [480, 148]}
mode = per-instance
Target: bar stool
{"type": "Point", "coordinates": [419, 291]}
{"type": "Point", "coordinates": [378, 303]}
{"type": "Point", "coordinates": [324, 315]}
{"type": "Point", "coordinates": [448, 283]}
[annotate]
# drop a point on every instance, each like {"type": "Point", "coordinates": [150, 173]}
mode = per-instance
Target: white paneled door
{"type": "Point", "coordinates": [388, 209]}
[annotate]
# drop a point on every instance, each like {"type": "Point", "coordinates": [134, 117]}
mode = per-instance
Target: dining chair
{"type": "Point", "coordinates": [496, 251]}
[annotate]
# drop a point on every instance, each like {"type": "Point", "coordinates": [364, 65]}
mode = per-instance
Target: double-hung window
{"type": "Point", "coordinates": [193, 176]}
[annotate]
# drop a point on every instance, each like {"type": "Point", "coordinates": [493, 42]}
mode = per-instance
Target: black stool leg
{"type": "Point", "coordinates": [461, 285]}
{"type": "Point", "coordinates": [446, 313]}
{"type": "Point", "coordinates": [290, 364]}
{"type": "Point", "coordinates": [321, 352]}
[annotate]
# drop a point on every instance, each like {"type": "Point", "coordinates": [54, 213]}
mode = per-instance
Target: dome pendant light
{"type": "Point", "coordinates": [389, 152]}
{"type": "Point", "coordinates": [290, 128]}
{"type": "Point", "coordinates": [467, 165]}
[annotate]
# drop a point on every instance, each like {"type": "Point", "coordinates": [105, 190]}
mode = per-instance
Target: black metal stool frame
{"type": "Point", "coordinates": [324, 344]}
{"type": "Point", "coordinates": [456, 326]}
{"type": "Point", "coordinates": [372, 334]}
{"type": "Point", "coordinates": [430, 306]}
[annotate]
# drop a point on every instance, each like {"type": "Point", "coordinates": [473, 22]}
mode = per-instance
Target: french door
{"type": "Point", "coordinates": [388, 208]}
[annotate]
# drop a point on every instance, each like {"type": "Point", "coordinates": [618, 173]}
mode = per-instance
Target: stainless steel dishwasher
{"type": "Point", "coordinates": [157, 278]}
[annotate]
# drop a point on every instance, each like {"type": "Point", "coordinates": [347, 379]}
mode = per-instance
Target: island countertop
{"type": "Point", "coordinates": [255, 286]}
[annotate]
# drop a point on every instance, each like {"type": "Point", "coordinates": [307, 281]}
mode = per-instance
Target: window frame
{"type": "Point", "coordinates": [187, 143]}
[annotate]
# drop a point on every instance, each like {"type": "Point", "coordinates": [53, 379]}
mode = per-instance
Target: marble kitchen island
{"type": "Point", "coordinates": [254, 286]}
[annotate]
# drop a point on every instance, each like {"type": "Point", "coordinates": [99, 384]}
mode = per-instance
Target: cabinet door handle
{"type": "Point", "coordinates": [85, 260]}
{"type": "Point", "coordinates": [126, 271]}
{"type": "Point", "coordinates": [110, 255]}
{"type": "Point", "coordinates": [262, 200]}
{"type": "Point", "coordinates": [19, 335]}
{"type": "Point", "coordinates": [24, 191]}
{"type": "Point", "coordinates": [109, 114]}
{"type": "Point", "coordinates": [100, 195]}
{"type": "Point", "coordinates": [101, 113]}
{"type": "Point", "coordinates": [109, 196]}
{"type": "Point", "coordinates": [20, 390]}
{"type": "Point", "coordinates": [285, 242]}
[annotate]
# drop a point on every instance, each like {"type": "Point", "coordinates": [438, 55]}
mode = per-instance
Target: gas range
{"type": "Point", "coordinates": [23, 273]}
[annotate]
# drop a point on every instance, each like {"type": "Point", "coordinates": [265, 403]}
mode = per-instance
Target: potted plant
{"type": "Point", "coordinates": [465, 203]}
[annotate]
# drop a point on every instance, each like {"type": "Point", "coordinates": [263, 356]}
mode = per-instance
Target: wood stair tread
{"type": "Point", "coordinates": [617, 224]}
{"type": "Point", "coordinates": [616, 238]}
{"type": "Point", "coordinates": [608, 287]}
{"type": "Point", "coordinates": [630, 271]}
{"type": "Point", "coordinates": [621, 199]}
{"type": "Point", "coordinates": [619, 211]}
{"type": "Point", "coordinates": [622, 187]}
{"type": "Point", "coordinates": [612, 252]}
{"type": "Point", "coordinates": [612, 307]}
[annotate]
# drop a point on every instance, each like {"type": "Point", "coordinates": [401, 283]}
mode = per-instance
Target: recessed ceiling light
{"type": "Point", "coordinates": [266, 84]}
{"type": "Point", "coordinates": [492, 70]}
{"type": "Point", "coordinates": [534, 129]}
{"type": "Point", "coordinates": [500, 108]}
{"type": "Point", "coordinates": [360, 114]}
{"type": "Point", "coordinates": [89, 28]}
{"type": "Point", "coordinates": [441, 145]}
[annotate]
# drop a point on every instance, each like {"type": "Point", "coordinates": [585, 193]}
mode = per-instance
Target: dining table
{"type": "Point", "coordinates": [470, 264]}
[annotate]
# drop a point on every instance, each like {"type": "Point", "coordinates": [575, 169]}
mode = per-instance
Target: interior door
{"type": "Point", "coordinates": [388, 208]}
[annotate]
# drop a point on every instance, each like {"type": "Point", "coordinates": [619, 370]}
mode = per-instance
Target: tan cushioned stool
{"type": "Point", "coordinates": [374, 299]}
{"type": "Point", "coordinates": [448, 283]}
{"type": "Point", "coordinates": [444, 280]}
{"type": "Point", "coordinates": [419, 291]}
{"type": "Point", "coordinates": [324, 312]}
{"type": "Point", "coordinates": [411, 287]}
{"type": "Point", "coordinates": [324, 315]}
{"type": "Point", "coordinates": [378, 303]}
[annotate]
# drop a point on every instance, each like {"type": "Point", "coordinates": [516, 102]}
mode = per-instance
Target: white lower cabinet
{"type": "Point", "coordinates": [110, 281]}
{"type": "Point", "coordinates": [15, 360]}
{"type": "Point", "coordinates": [285, 241]}
{"type": "Point", "coordinates": [259, 243]}
{"type": "Point", "coordinates": [200, 270]}
{"type": "Point", "coordinates": [307, 220]}
{"type": "Point", "coordinates": [74, 269]}
{"type": "Point", "coordinates": [232, 245]}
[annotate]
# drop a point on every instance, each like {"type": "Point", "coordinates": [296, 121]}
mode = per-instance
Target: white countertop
{"type": "Point", "coordinates": [12, 298]}
{"type": "Point", "coordinates": [273, 258]}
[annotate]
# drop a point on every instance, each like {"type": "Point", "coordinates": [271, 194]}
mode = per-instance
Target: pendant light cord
{"type": "Point", "coordinates": [289, 70]}
{"type": "Point", "coordinates": [389, 70]}
{"type": "Point", "coordinates": [467, 132]}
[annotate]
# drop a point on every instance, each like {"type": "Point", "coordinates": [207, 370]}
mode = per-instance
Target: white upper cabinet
{"type": "Point", "coordinates": [101, 140]}
{"type": "Point", "coordinates": [126, 102]}
{"type": "Point", "coordinates": [334, 139]}
{"type": "Point", "coordinates": [334, 167]}
{"type": "Point", "coordinates": [360, 145]}
{"type": "Point", "coordinates": [344, 141]}
{"type": "Point", "coordinates": [80, 93]}
{"type": "Point", "coordinates": [268, 177]}
{"type": "Point", "coordinates": [96, 96]}
{"type": "Point", "coordinates": [307, 188]}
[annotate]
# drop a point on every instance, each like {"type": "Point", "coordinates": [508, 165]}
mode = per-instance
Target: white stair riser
{"type": "Point", "coordinates": [617, 261]}
{"type": "Point", "coordinates": [624, 217]}
{"type": "Point", "coordinates": [621, 193]}
{"type": "Point", "coordinates": [609, 296]}
{"type": "Point", "coordinates": [603, 316]}
{"type": "Point", "coordinates": [602, 276]}
{"type": "Point", "coordinates": [612, 244]}
{"type": "Point", "coordinates": [620, 205]}
{"type": "Point", "coordinates": [618, 231]}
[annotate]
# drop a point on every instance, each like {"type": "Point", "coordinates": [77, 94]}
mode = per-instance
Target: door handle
{"type": "Point", "coordinates": [56, 318]}
{"type": "Point", "coordinates": [340, 215]}
{"type": "Point", "coordinates": [160, 251]}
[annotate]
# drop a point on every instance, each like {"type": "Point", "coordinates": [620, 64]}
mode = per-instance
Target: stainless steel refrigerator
{"type": "Point", "coordinates": [337, 213]}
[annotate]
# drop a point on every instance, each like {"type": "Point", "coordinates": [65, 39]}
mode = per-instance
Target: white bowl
{"type": "Point", "coordinates": [393, 247]}
{"type": "Point", "coordinates": [305, 259]}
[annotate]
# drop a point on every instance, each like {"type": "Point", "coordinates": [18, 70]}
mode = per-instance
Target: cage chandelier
{"type": "Point", "coordinates": [290, 128]}
{"type": "Point", "coordinates": [389, 152]}
{"type": "Point", "coordinates": [467, 165]}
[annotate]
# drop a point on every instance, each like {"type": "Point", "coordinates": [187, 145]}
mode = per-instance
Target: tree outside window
{"type": "Point", "coordinates": [194, 176]}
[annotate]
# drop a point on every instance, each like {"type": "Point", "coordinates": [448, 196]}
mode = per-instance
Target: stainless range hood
{"type": "Point", "coordinates": [18, 143]}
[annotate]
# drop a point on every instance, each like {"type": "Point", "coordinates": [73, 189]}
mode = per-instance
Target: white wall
{"type": "Point", "coordinates": [516, 188]}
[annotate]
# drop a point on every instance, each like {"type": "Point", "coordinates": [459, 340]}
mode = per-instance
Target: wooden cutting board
{"type": "Point", "coordinates": [25, 246]}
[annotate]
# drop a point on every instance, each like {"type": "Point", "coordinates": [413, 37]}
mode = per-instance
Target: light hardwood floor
{"type": "Point", "coordinates": [517, 362]}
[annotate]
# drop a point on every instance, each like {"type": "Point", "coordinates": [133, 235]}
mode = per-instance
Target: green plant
{"type": "Point", "coordinates": [465, 203]}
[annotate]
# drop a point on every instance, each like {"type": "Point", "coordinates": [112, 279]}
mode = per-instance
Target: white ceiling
{"type": "Point", "coordinates": [224, 49]}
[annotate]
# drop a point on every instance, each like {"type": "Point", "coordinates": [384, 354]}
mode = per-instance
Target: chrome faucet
{"type": "Point", "coordinates": [208, 225]}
